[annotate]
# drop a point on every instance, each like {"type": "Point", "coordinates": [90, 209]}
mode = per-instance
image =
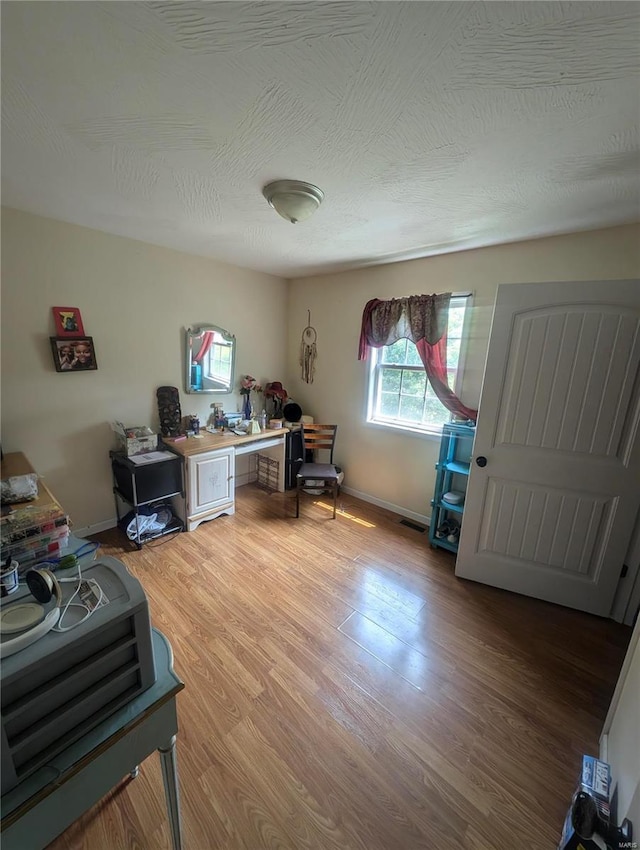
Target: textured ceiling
{"type": "Point", "coordinates": [430, 127]}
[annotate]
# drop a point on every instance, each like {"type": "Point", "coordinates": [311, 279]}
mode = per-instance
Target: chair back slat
{"type": "Point", "coordinates": [318, 437]}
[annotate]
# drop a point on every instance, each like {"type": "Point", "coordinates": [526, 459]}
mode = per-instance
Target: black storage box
{"type": "Point", "coordinates": [151, 480]}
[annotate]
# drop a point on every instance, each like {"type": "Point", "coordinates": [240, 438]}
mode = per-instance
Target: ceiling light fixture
{"type": "Point", "coordinates": [293, 199]}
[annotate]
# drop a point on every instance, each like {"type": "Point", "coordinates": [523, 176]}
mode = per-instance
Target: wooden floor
{"type": "Point", "coordinates": [345, 690]}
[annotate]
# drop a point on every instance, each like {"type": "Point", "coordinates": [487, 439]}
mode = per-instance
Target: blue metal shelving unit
{"type": "Point", "coordinates": [452, 471]}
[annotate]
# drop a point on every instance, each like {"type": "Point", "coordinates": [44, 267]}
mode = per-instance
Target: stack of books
{"type": "Point", "coordinates": [31, 531]}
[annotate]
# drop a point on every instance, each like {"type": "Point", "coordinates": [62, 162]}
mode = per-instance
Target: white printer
{"type": "Point", "coordinates": [58, 688]}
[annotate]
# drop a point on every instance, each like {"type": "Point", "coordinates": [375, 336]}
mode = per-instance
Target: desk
{"type": "Point", "coordinates": [210, 469]}
{"type": "Point", "coordinates": [16, 463]}
{"type": "Point", "coordinates": [47, 802]}
{"type": "Point", "coordinates": [36, 529]}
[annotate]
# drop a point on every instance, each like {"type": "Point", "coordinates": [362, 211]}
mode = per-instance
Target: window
{"type": "Point", "coordinates": [219, 359]}
{"type": "Point", "coordinates": [400, 396]}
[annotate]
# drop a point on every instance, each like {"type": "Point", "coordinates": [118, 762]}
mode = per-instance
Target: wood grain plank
{"type": "Point", "coordinates": [344, 691]}
{"type": "Point", "coordinates": [420, 670]}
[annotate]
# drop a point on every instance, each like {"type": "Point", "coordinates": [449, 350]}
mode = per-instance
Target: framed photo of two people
{"type": "Point", "coordinates": [73, 355]}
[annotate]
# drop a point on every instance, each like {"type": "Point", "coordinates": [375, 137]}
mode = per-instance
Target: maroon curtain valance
{"type": "Point", "coordinates": [415, 318]}
{"type": "Point", "coordinates": [424, 320]}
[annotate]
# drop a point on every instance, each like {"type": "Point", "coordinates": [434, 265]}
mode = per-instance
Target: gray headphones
{"type": "Point", "coordinates": [44, 587]}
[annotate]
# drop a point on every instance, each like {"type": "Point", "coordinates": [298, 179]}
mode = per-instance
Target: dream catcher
{"type": "Point", "coordinates": [308, 351]}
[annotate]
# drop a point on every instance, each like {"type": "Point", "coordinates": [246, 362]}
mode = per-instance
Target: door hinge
{"type": "Point", "coordinates": [624, 571]}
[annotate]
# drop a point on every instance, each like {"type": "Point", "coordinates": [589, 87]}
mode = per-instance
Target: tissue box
{"type": "Point", "coordinates": [134, 440]}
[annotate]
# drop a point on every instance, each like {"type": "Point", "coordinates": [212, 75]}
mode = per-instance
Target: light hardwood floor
{"type": "Point", "coordinates": [344, 691]}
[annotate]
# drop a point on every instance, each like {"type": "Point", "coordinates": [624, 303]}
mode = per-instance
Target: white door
{"type": "Point", "coordinates": [551, 513]}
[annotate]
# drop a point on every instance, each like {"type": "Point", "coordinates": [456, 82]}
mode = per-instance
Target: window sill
{"type": "Point", "coordinates": [435, 434]}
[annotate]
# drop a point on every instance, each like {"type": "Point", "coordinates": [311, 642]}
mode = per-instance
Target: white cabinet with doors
{"type": "Point", "coordinates": [210, 486]}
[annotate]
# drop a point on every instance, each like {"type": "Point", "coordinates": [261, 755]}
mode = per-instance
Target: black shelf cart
{"type": "Point", "coordinates": [145, 484]}
{"type": "Point", "coordinates": [452, 471]}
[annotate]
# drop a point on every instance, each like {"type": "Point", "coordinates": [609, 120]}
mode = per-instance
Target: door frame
{"type": "Point", "coordinates": [626, 602]}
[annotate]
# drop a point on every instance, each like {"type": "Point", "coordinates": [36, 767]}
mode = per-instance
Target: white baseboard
{"type": "Point", "coordinates": [95, 528]}
{"type": "Point", "coordinates": [604, 747]}
{"type": "Point", "coordinates": [396, 509]}
{"type": "Point", "coordinates": [246, 478]}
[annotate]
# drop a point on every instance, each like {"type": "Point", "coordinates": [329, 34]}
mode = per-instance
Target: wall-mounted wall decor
{"type": "Point", "coordinates": [73, 355]}
{"type": "Point", "coordinates": [308, 351]}
{"type": "Point", "coordinates": [68, 321]}
{"type": "Point", "coordinates": [169, 411]}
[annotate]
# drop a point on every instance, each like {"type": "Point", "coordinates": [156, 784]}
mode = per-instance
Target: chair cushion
{"type": "Point", "coordinates": [319, 471]}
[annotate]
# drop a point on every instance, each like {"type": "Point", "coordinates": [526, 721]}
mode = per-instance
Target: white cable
{"type": "Point", "coordinates": [71, 604]}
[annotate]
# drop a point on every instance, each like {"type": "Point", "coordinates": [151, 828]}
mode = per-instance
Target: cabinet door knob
{"type": "Point", "coordinates": [481, 461]}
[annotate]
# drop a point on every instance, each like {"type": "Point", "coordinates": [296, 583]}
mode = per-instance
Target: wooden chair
{"type": "Point", "coordinates": [321, 476]}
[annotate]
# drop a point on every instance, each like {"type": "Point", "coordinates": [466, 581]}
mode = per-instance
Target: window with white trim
{"type": "Point", "coordinates": [218, 359]}
{"type": "Point", "coordinates": [399, 395]}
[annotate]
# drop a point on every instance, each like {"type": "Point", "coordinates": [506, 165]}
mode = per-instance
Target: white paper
{"type": "Point", "coordinates": [150, 457]}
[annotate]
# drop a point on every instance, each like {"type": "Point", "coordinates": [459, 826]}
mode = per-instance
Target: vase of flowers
{"type": "Point", "coordinates": [248, 384]}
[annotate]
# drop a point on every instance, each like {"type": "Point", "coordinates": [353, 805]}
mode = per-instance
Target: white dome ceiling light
{"type": "Point", "coordinates": [293, 199]}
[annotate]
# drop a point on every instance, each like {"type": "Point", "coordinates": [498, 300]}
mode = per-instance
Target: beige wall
{"type": "Point", "coordinates": [620, 739]}
{"type": "Point", "coordinates": [398, 469]}
{"type": "Point", "coordinates": [135, 300]}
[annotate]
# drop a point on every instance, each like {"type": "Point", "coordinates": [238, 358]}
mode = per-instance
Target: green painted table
{"type": "Point", "coordinates": [44, 804]}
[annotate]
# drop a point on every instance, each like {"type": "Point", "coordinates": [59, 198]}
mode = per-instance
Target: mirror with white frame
{"type": "Point", "coordinates": [211, 354]}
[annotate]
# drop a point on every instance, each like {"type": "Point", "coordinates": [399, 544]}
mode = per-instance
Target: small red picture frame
{"type": "Point", "coordinates": [68, 321]}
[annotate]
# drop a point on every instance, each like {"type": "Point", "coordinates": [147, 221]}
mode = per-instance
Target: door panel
{"type": "Point", "coordinates": [540, 526]}
{"type": "Point", "coordinates": [552, 512]}
{"type": "Point", "coordinates": [569, 380]}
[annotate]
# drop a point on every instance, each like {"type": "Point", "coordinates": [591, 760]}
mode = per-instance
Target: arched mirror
{"type": "Point", "coordinates": [211, 355]}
